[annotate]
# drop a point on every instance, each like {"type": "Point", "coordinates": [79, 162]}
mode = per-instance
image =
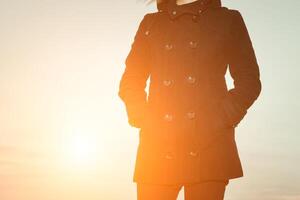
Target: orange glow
{"type": "Point", "coordinates": [80, 151]}
{"type": "Point", "coordinates": [63, 129]}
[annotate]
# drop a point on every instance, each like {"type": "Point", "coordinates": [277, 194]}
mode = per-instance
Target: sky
{"type": "Point", "coordinates": [64, 131]}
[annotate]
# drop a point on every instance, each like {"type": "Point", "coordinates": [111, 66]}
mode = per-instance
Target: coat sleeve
{"type": "Point", "coordinates": [243, 69]}
{"type": "Point", "coordinates": [133, 81]}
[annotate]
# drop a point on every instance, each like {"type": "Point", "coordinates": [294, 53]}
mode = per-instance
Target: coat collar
{"type": "Point", "coordinates": [194, 8]}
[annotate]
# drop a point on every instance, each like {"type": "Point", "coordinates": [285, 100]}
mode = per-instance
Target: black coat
{"type": "Point", "coordinates": [187, 121]}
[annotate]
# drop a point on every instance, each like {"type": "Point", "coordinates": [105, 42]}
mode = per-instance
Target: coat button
{"type": "Point", "coordinates": [191, 115]}
{"type": "Point", "coordinates": [168, 117]}
{"type": "Point", "coordinates": [193, 153]}
{"type": "Point", "coordinates": [191, 79]}
{"type": "Point", "coordinates": [194, 18]}
{"type": "Point", "coordinates": [168, 47]}
{"type": "Point", "coordinates": [174, 12]}
{"type": "Point", "coordinates": [193, 44]}
{"type": "Point", "coordinates": [199, 11]}
{"type": "Point", "coordinates": [167, 83]}
{"type": "Point", "coordinates": [147, 32]}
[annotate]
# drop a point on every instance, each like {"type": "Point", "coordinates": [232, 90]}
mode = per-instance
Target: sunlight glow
{"type": "Point", "coordinates": [81, 152]}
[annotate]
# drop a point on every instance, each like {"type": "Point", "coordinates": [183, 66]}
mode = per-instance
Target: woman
{"type": "Point", "coordinates": [187, 121]}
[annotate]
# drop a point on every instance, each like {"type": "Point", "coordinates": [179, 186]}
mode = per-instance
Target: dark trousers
{"type": "Point", "coordinates": [209, 190]}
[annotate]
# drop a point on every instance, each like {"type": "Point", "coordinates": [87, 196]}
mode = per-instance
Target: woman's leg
{"type": "Point", "coordinates": [209, 190]}
{"type": "Point", "coordinates": [157, 192]}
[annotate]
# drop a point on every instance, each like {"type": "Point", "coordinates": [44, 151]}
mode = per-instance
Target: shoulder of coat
{"type": "Point", "coordinates": [219, 16]}
{"type": "Point", "coordinates": [232, 13]}
{"type": "Point", "coordinates": [227, 15]}
{"type": "Point", "coordinates": [151, 16]}
{"type": "Point", "coordinates": [235, 16]}
{"type": "Point", "coordinates": [150, 19]}
{"type": "Point", "coordinates": [224, 12]}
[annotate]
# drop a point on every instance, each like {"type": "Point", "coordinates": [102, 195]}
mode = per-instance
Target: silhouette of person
{"type": "Point", "coordinates": [187, 119]}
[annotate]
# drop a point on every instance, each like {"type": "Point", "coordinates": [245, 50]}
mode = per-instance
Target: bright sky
{"type": "Point", "coordinates": [63, 129]}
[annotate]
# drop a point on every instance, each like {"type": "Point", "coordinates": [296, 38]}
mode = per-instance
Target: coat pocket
{"type": "Point", "coordinates": [217, 117]}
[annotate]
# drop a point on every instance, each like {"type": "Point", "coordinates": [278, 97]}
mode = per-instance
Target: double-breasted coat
{"type": "Point", "coordinates": [187, 119]}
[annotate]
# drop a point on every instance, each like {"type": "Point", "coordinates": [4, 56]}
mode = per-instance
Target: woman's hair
{"type": "Point", "coordinates": [157, 1]}
{"type": "Point", "coordinates": [160, 3]}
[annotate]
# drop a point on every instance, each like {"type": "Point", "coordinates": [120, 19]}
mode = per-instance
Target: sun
{"type": "Point", "coordinates": [81, 151]}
